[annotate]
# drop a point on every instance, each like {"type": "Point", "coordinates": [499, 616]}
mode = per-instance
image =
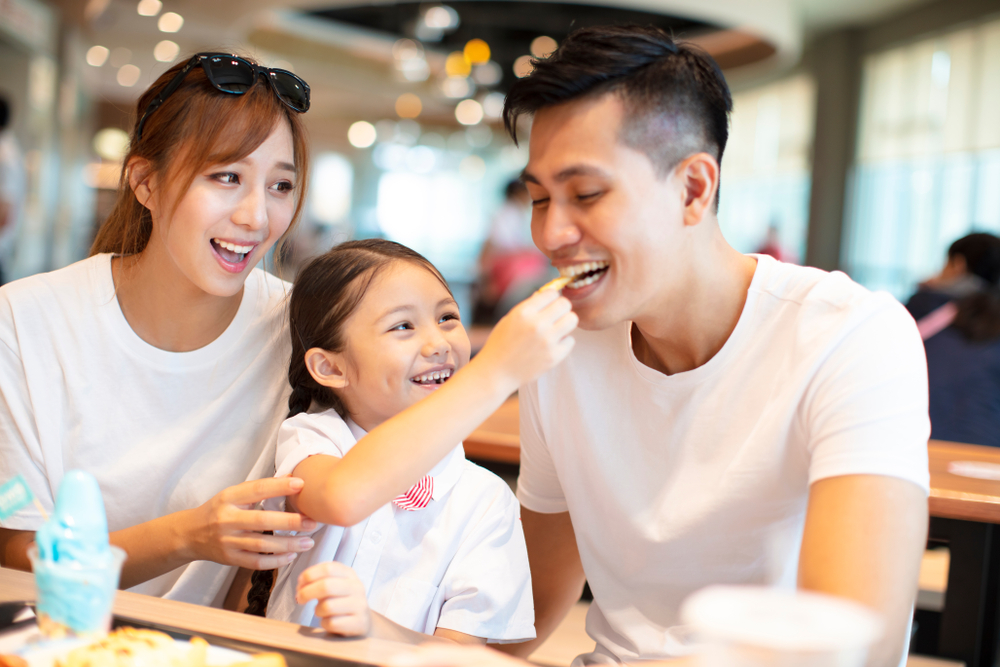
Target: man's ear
{"type": "Point", "coordinates": [699, 178]}
{"type": "Point", "coordinates": [140, 179]}
{"type": "Point", "coordinates": [327, 368]}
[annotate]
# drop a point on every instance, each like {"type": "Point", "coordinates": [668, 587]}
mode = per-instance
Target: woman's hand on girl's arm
{"type": "Point", "coordinates": [343, 610]}
{"type": "Point", "coordinates": [531, 339]}
{"type": "Point", "coordinates": [225, 530]}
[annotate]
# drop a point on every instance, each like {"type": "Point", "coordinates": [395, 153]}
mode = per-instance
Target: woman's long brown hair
{"type": "Point", "coordinates": [195, 127]}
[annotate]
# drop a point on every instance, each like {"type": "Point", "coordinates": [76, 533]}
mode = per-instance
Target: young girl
{"type": "Point", "coordinates": [154, 364]}
{"type": "Point", "coordinates": [375, 330]}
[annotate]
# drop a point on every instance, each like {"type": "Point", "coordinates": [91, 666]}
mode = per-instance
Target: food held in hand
{"type": "Point", "coordinates": [556, 283]}
{"type": "Point", "coordinates": [76, 570]}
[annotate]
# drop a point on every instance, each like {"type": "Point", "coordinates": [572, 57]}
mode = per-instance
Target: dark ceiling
{"type": "Point", "coordinates": [507, 26]}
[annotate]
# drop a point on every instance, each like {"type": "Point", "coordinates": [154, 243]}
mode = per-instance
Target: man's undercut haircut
{"type": "Point", "coordinates": [675, 98]}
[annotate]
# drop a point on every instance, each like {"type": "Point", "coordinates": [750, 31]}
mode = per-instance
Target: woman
{"type": "Point", "coordinates": [157, 363]}
{"type": "Point", "coordinates": [958, 314]}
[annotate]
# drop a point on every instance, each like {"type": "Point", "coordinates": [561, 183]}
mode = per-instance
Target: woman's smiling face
{"type": "Point", "coordinates": [229, 217]}
{"type": "Point", "coordinates": [404, 341]}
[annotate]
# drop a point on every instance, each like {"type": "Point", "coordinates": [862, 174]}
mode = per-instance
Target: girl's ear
{"type": "Point", "coordinates": [140, 179]}
{"type": "Point", "coordinates": [327, 368]}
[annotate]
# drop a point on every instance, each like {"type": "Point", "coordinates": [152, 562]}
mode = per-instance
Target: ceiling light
{"type": "Point", "coordinates": [542, 47]}
{"type": "Point", "coordinates": [476, 51]}
{"type": "Point", "coordinates": [111, 143]}
{"type": "Point", "coordinates": [166, 51]}
{"type": "Point", "coordinates": [487, 74]}
{"type": "Point", "coordinates": [493, 105]}
{"type": "Point", "coordinates": [97, 55]}
{"type": "Point", "coordinates": [457, 64]}
{"type": "Point", "coordinates": [361, 134]}
{"type": "Point", "coordinates": [469, 112]}
{"type": "Point", "coordinates": [523, 67]}
{"type": "Point", "coordinates": [456, 87]}
{"type": "Point", "coordinates": [149, 7]}
{"type": "Point", "coordinates": [441, 17]}
{"type": "Point", "coordinates": [128, 75]}
{"type": "Point", "coordinates": [170, 22]}
{"type": "Point", "coordinates": [408, 105]}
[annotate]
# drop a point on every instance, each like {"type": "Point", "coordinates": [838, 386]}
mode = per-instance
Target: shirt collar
{"type": "Point", "coordinates": [445, 473]}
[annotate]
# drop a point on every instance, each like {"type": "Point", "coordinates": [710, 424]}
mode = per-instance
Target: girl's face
{"type": "Point", "coordinates": [403, 341]}
{"type": "Point", "coordinates": [229, 217]}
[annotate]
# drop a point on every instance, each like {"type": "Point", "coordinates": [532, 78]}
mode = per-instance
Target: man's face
{"type": "Point", "coordinates": [602, 213]}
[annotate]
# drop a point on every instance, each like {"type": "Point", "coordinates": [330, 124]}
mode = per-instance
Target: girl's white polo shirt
{"type": "Point", "coordinates": [460, 563]}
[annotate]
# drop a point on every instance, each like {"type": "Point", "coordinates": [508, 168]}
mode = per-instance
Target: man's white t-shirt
{"type": "Point", "coordinates": [161, 431]}
{"type": "Point", "coordinates": [702, 477]}
{"type": "Point", "coordinates": [459, 563]}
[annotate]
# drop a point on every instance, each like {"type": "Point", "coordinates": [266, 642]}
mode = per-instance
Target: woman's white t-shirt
{"type": "Point", "coordinates": [161, 431]}
{"type": "Point", "coordinates": [677, 482]}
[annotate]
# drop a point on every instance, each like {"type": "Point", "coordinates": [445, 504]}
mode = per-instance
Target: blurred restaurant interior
{"type": "Point", "coordinates": [862, 137]}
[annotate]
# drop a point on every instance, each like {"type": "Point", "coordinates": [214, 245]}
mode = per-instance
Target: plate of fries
{"type": "Point", "coordinates": [131, 647]}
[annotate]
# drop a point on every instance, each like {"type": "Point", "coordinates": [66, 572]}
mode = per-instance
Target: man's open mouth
{"type": "Point", "coordinates": [231, 252]}
{"type": "Point", "coordinates": [585, 273]}
{"type": "Point", "coordinates": [437, 377]}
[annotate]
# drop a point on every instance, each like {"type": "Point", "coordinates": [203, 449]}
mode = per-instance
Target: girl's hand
{"type": "Point", "coordinates": [529, 340]}
{"type": "Point", "coordinates": [343, 606]}
{"type": "Point", "coordinates": [227, 529]}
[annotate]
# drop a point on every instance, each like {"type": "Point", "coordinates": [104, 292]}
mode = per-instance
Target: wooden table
{"type": "Point", "coordinates": [498, 438]}
{"type": "Point", "coordinates": [302, 647]}
{"type": "Point", "coordinates": [965, 513]}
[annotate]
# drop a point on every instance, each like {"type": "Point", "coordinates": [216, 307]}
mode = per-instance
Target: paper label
{"type": "Point", "coordinates": [14, 495]}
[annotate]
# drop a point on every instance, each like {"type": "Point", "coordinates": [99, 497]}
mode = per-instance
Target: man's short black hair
{"type": "Point", "coordinates": [981, 252]}
{"type": "Point", "coordinates": [676, 100]}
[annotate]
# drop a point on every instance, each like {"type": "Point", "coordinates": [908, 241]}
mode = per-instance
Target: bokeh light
{"type": "Point", "coordinates": [457, 64]}
{"type": "Point", "coordinates": [523, 67]}
{"type": "Point", "coordinates": [111, 143]}
{"type": "Point", "coordinates": [408, 105]}
{"type": "Point", "coordinates": [166, 51]}
{"type": "Point", "coordinates": [469, 112]}
{"type": "Point", "coordinates": [542, 47]}
{"type": "Point", "coordinates": [128, 75]}
{"type": "Point", "coordinates": [476, 51]}
{"type": "Point", "coordinates": [97, 55]}
{"type": "Point", "coordinates": [170, 22]}
{"type": "Point", "coordinates": [361, 134]}
{"type": "Point", "coordinates": [149, 7]}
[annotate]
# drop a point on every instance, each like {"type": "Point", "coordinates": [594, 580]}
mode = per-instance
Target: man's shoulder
{"type": "Point", "coordinates": [823, 299]}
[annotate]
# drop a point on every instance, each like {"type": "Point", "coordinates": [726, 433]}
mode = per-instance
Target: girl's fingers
{"type": "Point", "coordinates": [345, 626]}
{"type": "Point", "coordinates": [566, 324]}
{"type": "Point", "coordinates": [345, 606]}
{"type": "Point", "coordinates": [537, 301]}
{"type": "Point", "coordinates": [325, 570]}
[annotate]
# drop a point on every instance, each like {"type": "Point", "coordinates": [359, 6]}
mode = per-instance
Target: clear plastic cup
{"type": "Point", "coordinates": [752, 626]}
{"type": "Point", "coordinates": [75, 600]}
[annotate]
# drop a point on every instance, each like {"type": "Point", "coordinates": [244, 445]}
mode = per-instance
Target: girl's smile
{"type": "Point", "coordinates": [404, 341]}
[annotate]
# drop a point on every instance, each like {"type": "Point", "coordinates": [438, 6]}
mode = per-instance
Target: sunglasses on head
{"type": "Point", "coordinates": [234, 75]}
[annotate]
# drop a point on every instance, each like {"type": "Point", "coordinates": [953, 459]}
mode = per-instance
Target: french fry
{"type": "Point", "coordinates": [556, 284]}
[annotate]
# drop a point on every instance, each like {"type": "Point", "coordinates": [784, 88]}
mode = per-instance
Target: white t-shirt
{"type": "Point", "coordinates": [460, 563]}
{"type": "Point", "coordinates": [681, 481]}
{"type": "Point", "coordinates": [161, 431]}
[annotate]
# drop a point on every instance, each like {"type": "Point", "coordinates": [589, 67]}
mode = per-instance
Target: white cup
{"type": "Point", "coordinates": [753, 626]}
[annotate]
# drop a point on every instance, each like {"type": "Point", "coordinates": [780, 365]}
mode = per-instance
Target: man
{"type": "Point", "coordinates": [723, 418]}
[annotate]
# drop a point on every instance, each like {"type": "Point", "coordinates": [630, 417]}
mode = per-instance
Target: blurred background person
{"type": "Point", "coordinates": [510, 266]}
{"type": "Point", "coordinates": [772, 246]}
{"type": "Point", "coordinates": [12, 186]}
{"type": "Point", "coordinates": [958, 314]}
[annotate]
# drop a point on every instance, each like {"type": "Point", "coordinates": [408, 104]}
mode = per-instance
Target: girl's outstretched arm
{"type": "Point", "coordinates": [531, 339]}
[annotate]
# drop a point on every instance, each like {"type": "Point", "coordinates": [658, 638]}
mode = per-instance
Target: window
{"type": "Point", "coordinates": [928, 158]}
